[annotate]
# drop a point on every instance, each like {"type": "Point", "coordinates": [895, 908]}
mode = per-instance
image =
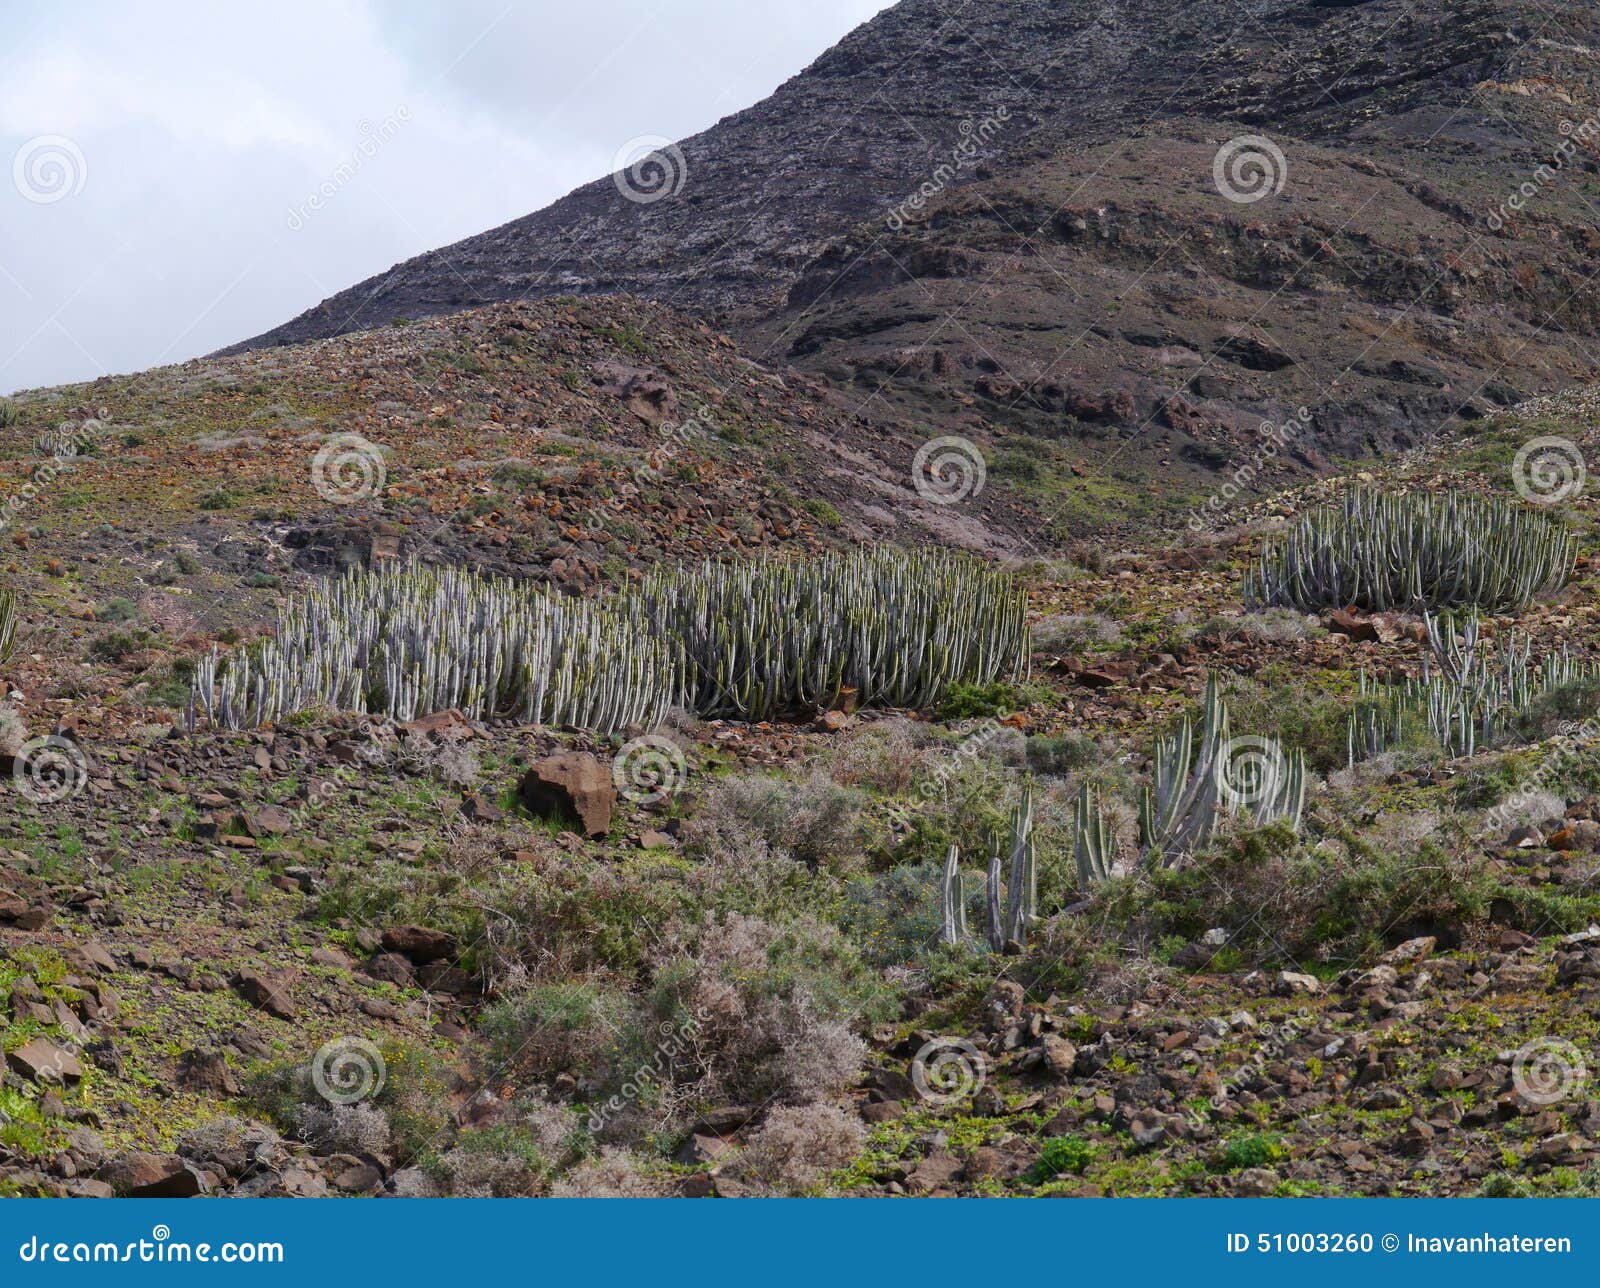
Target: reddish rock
{"type": "Point", "coordinates": [421, 944]}
{"type": "Point", "coordinates": [1343, 621]}
{"type": "Point", "coordinates": [152, 1176]}
{"type": "Point", "coordinates": [43, 1061]}
{"type": "Point", "coordinates": [573, 786]}
{"type": "Point", "coordinates": [265, 994]}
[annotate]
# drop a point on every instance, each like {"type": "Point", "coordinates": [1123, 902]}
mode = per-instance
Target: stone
{"type": "Point", "coordinates": [1293, 984]}
{"type": "Point", "coordinates": [935, 1172]}
{"type": "Point", "coordinates": [140, 1175]}
{"type": "Point", "coordinates": [1060, 1055]}
{"type": "Point", "coordinates": [421, 944]}
{"type": "Point", "coordinates": [265, 994]}
{"type": "Point", "coordinates": [450, 725]}
{"type": "Point", "coordinates": [43, 1061]}
{"type": "Point", "coordinates": [207, 1071]}
{"type": "Point", "coordinates": [702, 1149]}
{"type": "Point", "coordinates": [1256, 1183]}
{"type": "Point", "coordinates": [1344, 622]}
{"type": "Point", "coordinates": [573, 786]}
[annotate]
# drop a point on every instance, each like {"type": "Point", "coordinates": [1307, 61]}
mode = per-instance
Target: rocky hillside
{"type": "Point", "coordinates": [1007, 218]}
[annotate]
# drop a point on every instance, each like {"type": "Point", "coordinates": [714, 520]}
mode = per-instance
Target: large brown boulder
{"type": "Point", "coordinates": [152, 1176]}
{"type": "Point", "coordinates": [573, 786]}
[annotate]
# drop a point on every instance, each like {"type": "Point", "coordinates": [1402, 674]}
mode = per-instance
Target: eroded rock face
{"type": "Point", "coordinates": [573, 786]}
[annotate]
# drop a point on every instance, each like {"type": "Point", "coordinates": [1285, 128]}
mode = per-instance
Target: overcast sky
{"type": "Point", "coordinates": [157, 160]}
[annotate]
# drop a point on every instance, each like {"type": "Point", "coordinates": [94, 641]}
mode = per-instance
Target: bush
{"type": "Point", "coordinates": [1257, 1149]}
{"type": "Point", "coordinates": [796, 1144]}
{"type": "Point", "coordinates": [813, 821]}
{"type": "Point", "coordinates": [580, 1027]}
{"type": "Point", "coordinates": [1061, 1154]}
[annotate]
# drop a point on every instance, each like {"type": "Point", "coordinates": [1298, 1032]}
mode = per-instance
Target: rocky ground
{"type": "Point", "coordinates": [346, 957]}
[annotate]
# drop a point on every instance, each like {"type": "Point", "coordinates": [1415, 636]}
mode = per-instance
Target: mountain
{"type": "Point", "coordinates": [1009, 219]}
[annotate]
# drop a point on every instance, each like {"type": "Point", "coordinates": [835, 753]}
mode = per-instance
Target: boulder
{"type": "Point", "coordinates": [265, 993]}
{"type": "Point", "coordinates": [573, 786]}
{"type": "Point", "coordinates": [139, 1175]}
{"type": "Point", "coordinates": [421, 944]}
{"type": "Point", "coordinates": [41, 1060]}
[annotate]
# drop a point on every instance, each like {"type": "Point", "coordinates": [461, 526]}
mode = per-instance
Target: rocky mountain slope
{"type": "Point", "coordinates": [1006, 219]}
{"type": "Point", "coordinates": [348, 956]}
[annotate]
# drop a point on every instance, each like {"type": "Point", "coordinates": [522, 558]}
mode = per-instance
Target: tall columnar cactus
{"type": "Point", "coordinates": [1468, 691]}
{"type": "Point", "coordinates": [406, 642]}
{"type": "Point", "coordinates": [752, 640]}
{"type": "Point", "coordinates": [767, 637]}
{"type": "Point", "coordinates": [8, 623]}
{"type": "Point", "coordinates": [1022, 886]}
{"type": "Point", "coordinates": [1011, 898]}
{"type": "Point", "coordinates": [1179, 813]}
{"type": "Point", "coordinates": [1411, 550]}
{"type": "Point", "coordinates": [1093, 845]}
{"type": "Point", "coordinates": [952, 900]}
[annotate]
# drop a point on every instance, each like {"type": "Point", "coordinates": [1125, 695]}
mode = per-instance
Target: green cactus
{"type": "Point", "coordinates": [1093, 845]}
{"type": "Point", "coordinates": [1407, 550]}
{"type": "Point", "coordinates": [769, 637]}
{"type": "Point", "coordinates": [8, 624]}
{"type": "Point", "coordinates": [952, 898]}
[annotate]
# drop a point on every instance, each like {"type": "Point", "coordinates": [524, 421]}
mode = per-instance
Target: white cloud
{"type": "Point", "coordinates": [202, 128]}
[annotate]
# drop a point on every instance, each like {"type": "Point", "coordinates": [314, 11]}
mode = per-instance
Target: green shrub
{"type": "Point", "coordinates": [1058, 1155]}
{"type": "Point", "coordinates": [1257, 1149]}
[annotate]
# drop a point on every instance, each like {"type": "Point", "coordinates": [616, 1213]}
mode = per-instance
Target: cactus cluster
{"type": "Point", "coordinates": [1012, 905]}
{"type": "Point", "coordinates": [409, 641]}
{"type": "Point", "coordinates": [1407, 550]}
{"type": "Point", "coordinates": [1467, 692]}
{"type": "Point", "coordinates": [1197, 780]}
{"type": "Point", "coordinates": [767, 637]}
{"type": "Point", "coordinates": [751, 640]}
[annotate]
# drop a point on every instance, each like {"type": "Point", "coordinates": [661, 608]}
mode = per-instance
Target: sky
{"type": "Point", "coordinates": [176, 176]}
